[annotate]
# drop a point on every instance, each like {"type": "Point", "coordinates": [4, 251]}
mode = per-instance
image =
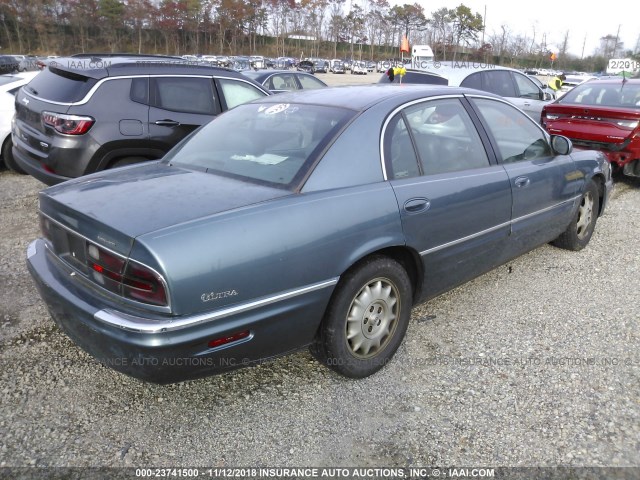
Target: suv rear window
{"type": "Point", "coordinates": [60, 86]}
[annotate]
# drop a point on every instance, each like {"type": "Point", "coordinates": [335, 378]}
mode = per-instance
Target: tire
{"type": "Point", "coordinates": [123, 162]}
{"type": "Point", "coordinates": [7, 156]}
{"type": "Point", "coordinates": [579, 231]}
{"type": "Point", "coordinates": [357, 342]}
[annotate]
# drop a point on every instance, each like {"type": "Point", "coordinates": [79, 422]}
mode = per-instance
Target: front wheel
{"type": "Point", "coordinates": [366, 319]}
{"type": "Point", "coordinates": [579, 231]}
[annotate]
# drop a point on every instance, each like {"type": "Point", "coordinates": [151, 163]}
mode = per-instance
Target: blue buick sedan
{"type": "Point", "coordinates": [305, 219]}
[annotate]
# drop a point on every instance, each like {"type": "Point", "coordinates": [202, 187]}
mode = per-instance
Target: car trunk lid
{"type": "Point", "coordinates": [116, 207]}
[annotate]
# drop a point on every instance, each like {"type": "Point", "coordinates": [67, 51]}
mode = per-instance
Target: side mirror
{"type": "Point", "coordinates": [548, 96]}
{"type": "Point", "coordinates": [561, 145]}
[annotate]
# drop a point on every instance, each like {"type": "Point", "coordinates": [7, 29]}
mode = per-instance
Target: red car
{"type": "Point", "coordinates": [601, 115]}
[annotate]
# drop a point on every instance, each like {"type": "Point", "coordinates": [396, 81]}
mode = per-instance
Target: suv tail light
{"type": "Point", "coordinates": [68, 124]}
{"type": "Point", "coordinates": [131, 280]}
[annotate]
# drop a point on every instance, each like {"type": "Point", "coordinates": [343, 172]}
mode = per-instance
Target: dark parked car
{"type": "Point", "coordinates": [314, 218]}
{"type": "Point", "coordinates": [321, 66]}
{"type": "Point", "coordinates": [306, 66]}
{"type": "Point", "coordinates": [278, 81]}
{"type": "Point", "coordinates": [90, 114]}
{"type": "Point", "coordinates": [8, 64]}
{"type": "Point", "coordinates": [602, 115]}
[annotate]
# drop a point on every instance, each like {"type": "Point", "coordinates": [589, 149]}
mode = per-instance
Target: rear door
{"type": "Point", "coordinates": [179, 105]}
{"type": "Point", "coordinates": [455, 204]}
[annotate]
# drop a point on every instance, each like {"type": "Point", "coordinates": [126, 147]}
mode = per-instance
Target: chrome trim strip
{"type": "Point", "coordinates": [393, 113]}
{"type": "Point", "coordinates": [464, 239]}
{"type": "Point", "coordinates": [98, 84]}
{"type": "Point", "coordinates": [529, 215]}
{"type": "Point", "coordinates": [497, 227]}
{"type": "Point", "coordinates": [145, 325]}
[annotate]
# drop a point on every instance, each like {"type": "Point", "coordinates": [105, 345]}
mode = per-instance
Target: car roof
{"type": "Point", "coordinates": [362, 97]}
{"type": "Point", "coordinates": [263, 74]}
{"type": "Point", "coordinates": [116, 66]}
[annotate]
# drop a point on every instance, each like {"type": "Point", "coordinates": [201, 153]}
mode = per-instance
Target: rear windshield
{"type": "Point", "coordinates": [625, 95]}
{"type": "Point", "coordinates": [274, 144]}
{"type": "Point", "coordinates": [60, 86]}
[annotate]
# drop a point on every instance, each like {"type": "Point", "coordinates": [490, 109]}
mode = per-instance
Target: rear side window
{"type": "Point", "coordinates": [60, 86]}
{"type": "Point", "coordinates": [184, 94]}
{"type": "Point", "coordinates": [140, 90]}
{"type": "Point", "coordinates": [472, 81]}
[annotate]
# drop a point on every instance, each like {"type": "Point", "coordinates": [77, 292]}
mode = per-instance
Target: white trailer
{"type": "Point", "coordinates": [421, 57]}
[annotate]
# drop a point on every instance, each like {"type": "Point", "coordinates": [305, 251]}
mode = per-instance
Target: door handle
{"type": "Point", "coordinates": [167, 123]}
{"type": "Point", "coordinates": [522, 182]}
{"type": "Point", "coordinates": [415, 205]}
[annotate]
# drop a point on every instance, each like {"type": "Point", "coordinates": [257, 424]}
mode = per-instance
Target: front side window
{"type": "Point", "coordinates": [526, 87]}
{"type": "Point", "coordinates": [283, 82]}
{"type": "Point", "coordinates": [237, 92]}
{"type": "Point", "coordinates": [269, 143]}
{"type": "Point", "coordinates": [184, 94]}
{"type": "Point", "coordinates": [309, 82]}
{"type": "Point", "coordinates": [518, 138]}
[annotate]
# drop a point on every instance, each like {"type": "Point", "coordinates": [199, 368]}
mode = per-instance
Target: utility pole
{"type": "Point", "coordinates": [484, 25]}
{"type": "Point", "coordinates": [583, 44]}
{"type": "Point", "coordinates": [615, 45]}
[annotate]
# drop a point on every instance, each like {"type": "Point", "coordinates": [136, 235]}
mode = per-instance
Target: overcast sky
{"type": "Point", "coordinates": [593, 19]}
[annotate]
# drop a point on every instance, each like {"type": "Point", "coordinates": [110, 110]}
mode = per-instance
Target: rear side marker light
{"type": "Point", "coordinates": [68, 124]}
{"type": "Point", "coordinates": [228, 339]}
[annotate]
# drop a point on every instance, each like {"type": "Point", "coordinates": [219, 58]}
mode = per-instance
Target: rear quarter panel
{"type": "Point", "coordinates": [268, 248]}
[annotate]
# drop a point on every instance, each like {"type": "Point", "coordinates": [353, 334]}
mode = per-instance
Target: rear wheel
{"type": "Point", "coordinates": [579, 231]}
{"type": "Point", "coordinates": [366, 319]}
{"type": "Point", "coordinates": [7, 156]}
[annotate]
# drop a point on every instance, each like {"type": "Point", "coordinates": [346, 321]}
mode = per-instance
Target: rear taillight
{"type": "Point", "coordinates": [68, 124]}
{"type": "Point", "coordinates": [626, 124]}
{"type": "Point", "coordinates": [110, 270]}
{"type": "Point", "coordinates": [45, 227]}
{"type": "Point", "coordinates": [143, 284]}
{"type": "Point", "coordinates": [129, 279]}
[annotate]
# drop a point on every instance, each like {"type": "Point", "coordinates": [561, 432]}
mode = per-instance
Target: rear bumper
{"type": "Point", "coordinates": [175, 354]}
{"type": "Point", "coordinates": [618, 155]}
{"type": "Point", "coordinates": [36, 169]}
{"type": "Point", "coordinates": [52, 160]}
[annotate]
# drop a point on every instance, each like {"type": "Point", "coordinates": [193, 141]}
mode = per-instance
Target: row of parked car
{"type": "Point", "coordinates": [316, 218]}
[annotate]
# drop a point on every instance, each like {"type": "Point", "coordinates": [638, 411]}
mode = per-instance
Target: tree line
{"type": "Point", "coordinates": [370, 29]}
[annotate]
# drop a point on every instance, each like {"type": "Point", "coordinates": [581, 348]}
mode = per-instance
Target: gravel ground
{"type": "Point", "coordinates": [533, 364]}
